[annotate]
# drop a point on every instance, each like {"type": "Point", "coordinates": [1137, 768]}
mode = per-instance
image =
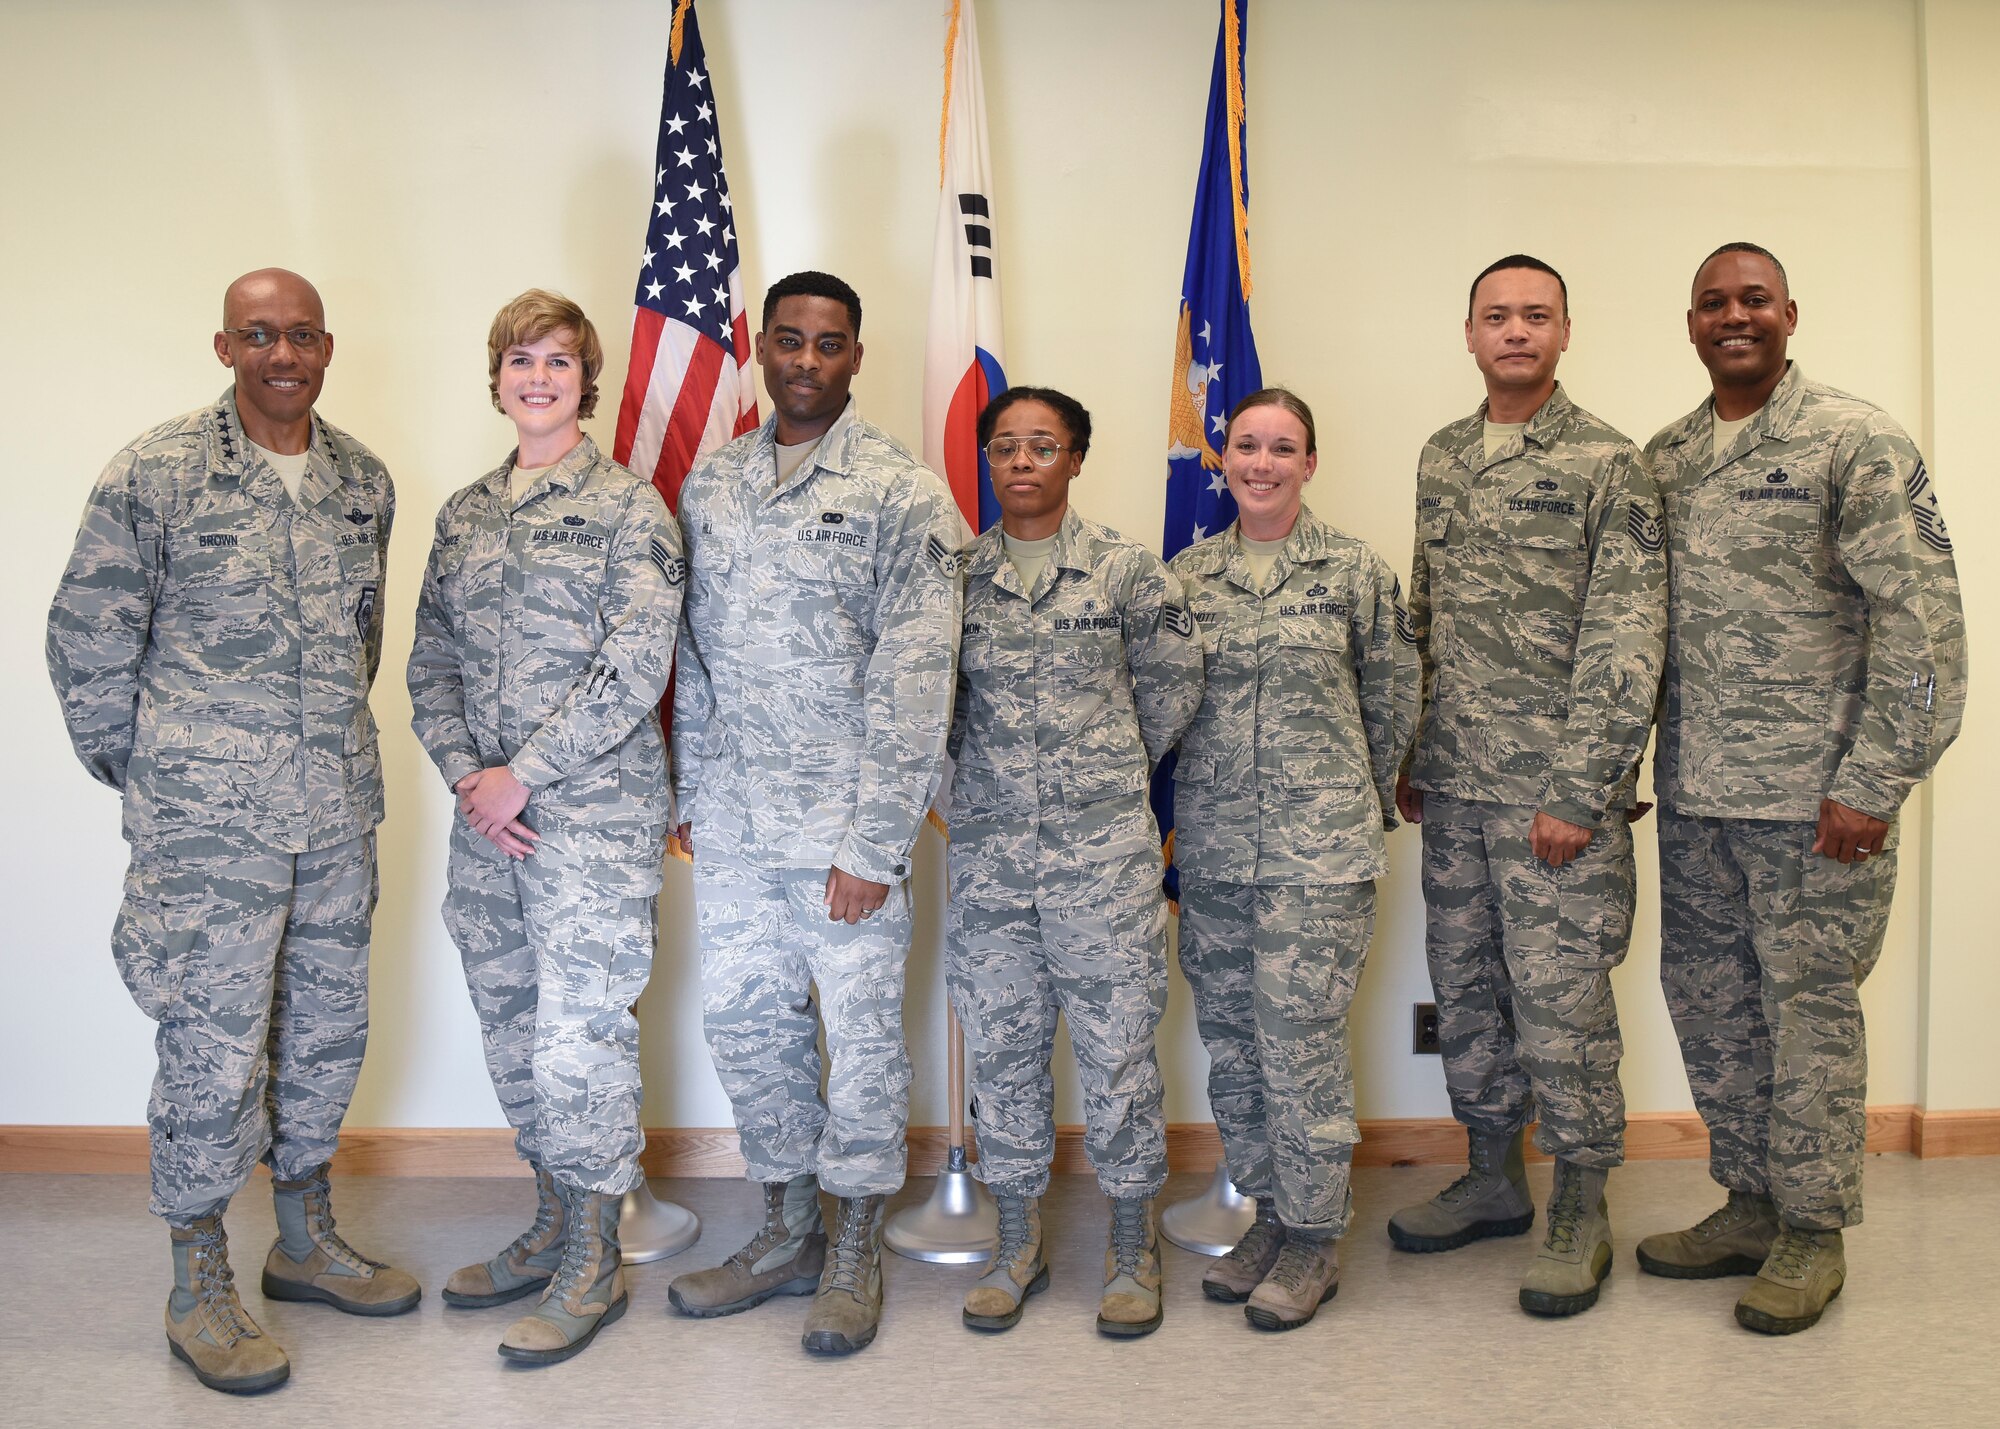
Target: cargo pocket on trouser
{"type": "Point", "coordinates": [158, 931]}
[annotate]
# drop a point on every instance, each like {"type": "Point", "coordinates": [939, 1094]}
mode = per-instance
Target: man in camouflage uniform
{"type": "Point", "coordinates": [545, 635]}
{"type": "Point", "coordinates": [1815, 674]}
{"type": "Point", "coordinates": [1078, 671]}
{"type": "Point", "coordinates": [1539, 598]}
{"type": "Point", "coordinates": [810, 717]}
{"type": "Point", "coordinates": [213, 642]}
{"type": "Point", "coordinates": [1284, 788]}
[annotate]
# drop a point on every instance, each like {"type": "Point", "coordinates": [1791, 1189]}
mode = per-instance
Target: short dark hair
{"type": "Point", "coordinates": [1277, 397]}
{"type": "Point", "coordinates": [813, 284]}
{"type": "Point", "coordinates": [1759, 250]}
{"type": "Point", "coordinates": [1514, 260]}
{"type": "Point", "coordinates": [1074, 418]}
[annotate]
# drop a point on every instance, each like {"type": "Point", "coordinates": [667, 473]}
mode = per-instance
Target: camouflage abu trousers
{"type": "Point", "coordinates": [1104, 968]}
{"type": "Point", "coordinates": [1763, 949]}
{"type": "Point", "coordinates": [557, 947]}
{"type": "Point", "coordinates": [766, 943]}
{"type": "Point", "coordinates": [254, 964]}
{"type": "Point", "coordinates": [1273, 968]}
{"type": "Point", "coordinates": [1520, 959]}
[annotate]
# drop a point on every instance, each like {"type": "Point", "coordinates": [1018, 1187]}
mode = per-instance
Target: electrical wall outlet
{"type": "Point", "coordinates": [1424, 1030]}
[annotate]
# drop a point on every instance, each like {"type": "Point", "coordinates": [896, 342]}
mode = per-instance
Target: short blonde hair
{"type": "Point", "coordinates": [532, 317]}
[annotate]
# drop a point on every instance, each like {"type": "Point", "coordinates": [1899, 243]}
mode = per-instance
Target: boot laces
{"type": "Point", "coordinates": [847, 1256]}
{"type": "Point", "coordinates": [1479, 1168]}
{"type": "Point", "coordinates": [1566, 1211]}
{"type": "Point", "coordinates": [772, 1234]}
{"type": "Point", "coordinates": [580, 1252]}
{"type": "Point", "coordinates": [1724, 1217]}
{"type": "Point", "coordinates": [1250, 1250]}
{"type": "Point", "coordinates": [547, 1207]}
{"type": "Point", "coordinates": [215, 1288]}
{"type": "Point", "coordinates": [1298, 1260]}
{"type": "Point", "coordinates": [1793, 1252]}
{"type": "Point", "coordinates": [1128, 1235]}
{"type": "Point", "coordinates": [1013, 1229]}
{"type": "Point", "coordinates": [319, 1225]}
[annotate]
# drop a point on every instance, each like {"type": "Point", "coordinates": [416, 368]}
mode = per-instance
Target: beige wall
{"type": "Point", "coordinates": [422, 168]}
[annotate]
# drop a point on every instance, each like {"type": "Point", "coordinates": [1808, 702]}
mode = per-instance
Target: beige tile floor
{"type": "Point", "coordinates": [1434, 1340]}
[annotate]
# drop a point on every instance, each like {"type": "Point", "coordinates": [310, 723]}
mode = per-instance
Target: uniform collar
{"type": "Point", "coordinates": [834, 453]}
{"type": "Point", "coordinates": [1776, 418]}
{"type": "Point", "coordinates": [232, 456]}
{"type": "Point", "coordinates": [1074, 550]}
{"type": "Point", "coordinates": [566, 476]}
{"type": "Point", "coordinates": [1544, 430]}
{"type": "Point", "coordinates": [1311, 539]}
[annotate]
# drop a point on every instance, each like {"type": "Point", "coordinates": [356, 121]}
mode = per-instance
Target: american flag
{"type": "Point", "coordinates": [688, 388]}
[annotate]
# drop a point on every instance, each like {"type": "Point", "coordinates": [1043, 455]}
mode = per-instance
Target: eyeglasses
{"type": "Point", "coordinates": [1041, 450]}
{"type": "Point", "coordinates": [302, 339]}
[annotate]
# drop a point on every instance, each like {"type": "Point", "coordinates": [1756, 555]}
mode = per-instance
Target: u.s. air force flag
{"type": "Point", "coordinates": [1215, 354]}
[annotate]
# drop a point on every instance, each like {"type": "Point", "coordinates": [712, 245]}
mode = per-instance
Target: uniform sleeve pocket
{"type": "Point", "coordinates": [156, 935]}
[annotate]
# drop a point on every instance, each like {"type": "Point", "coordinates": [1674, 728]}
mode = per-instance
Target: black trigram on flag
{"type": "Point", "coordinates": [978, 232]}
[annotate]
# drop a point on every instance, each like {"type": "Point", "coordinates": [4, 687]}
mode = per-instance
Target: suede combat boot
{"type": "Point", "coordinates": [207, 1327]}
{"type": "Point", "coordinates": [1231, 1276]}
{"type": "Point", "coordinates": [1304, 1277]}
{"type": "Point", "coordinates": [1735, 1240]}
{"type": "Point", "coordinates": [1130, 1305]}
{"type": "Point", "coordinates": [784, 1257]}
{"type": "Point", "coordinates": [1801, 1277]}
{"type": "Point", "coordinates": [309, 1260]}
{"type": "Point", "coordinates": [1490, 1199]}
{"type": "Point", "coordinates": [524, 1267]}
{"type": "Point", "coordinates": [587, 1291]}
{"type": "Point", "coordinates": [1575, 1257]}
{"type": "Point", "coordinates": [848, 1308]}
{"type": "Point", "coordinates": [1018, 1268]}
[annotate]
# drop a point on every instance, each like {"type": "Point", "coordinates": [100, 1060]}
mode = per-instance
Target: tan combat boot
{"type": "Point", "coordinates": [587, 1291]}
{"type": "Point", "coordinates": [207, 1327]}
{"type": "Point", "coordinates": [1018, 1268]}
{"type": "Point", "coordinates": [1566, 1272]}
{"type": "Point", "coordinates": [1735, 1240]}
{"type": "Point", "coordinates": [1304, 1277]}
{"type": "Point", "coordinates": [524, 1267]}
{"type": "Point", "coordinates": [784, 1257]}
{"type": "Point", "coordinates": [1231, 1276]}
{"type": "Point", "coordinates": [1490, 1199]}
{"type": "Point", "coordinates": [309, 1261]}
{"type": "Point", "coordinates": [1803, 1275]}
{"type": "Point", "coordinates": [1131, 1305]}
{"type": "Point", "coordinates": [848, 1308]}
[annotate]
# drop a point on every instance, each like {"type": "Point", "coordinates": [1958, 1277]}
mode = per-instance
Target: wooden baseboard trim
{"type": "Point", "coordinates": [712, 1151]}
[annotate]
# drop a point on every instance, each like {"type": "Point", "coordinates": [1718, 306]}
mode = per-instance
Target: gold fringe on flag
{"type": "Point", "coordinates": [1233, 28]}
{"type": "Point", "coordinates": [680, 24]}
{"type": "Point", "coordinates": [944, 120]}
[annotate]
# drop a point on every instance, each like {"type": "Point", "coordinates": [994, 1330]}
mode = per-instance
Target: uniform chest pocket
{"type": "Point", "coordinates": [1528, 522]}
{"type": "Point", "coordinates": [571, 550]}
{"type": "Point", "coordinates": [1087, 644]}
{"type": "Point", "coordinates": [221, 552]}
{"type": "Point", "coordinates": [1437, 527]}
{"type": "Point", "coordinates": [828, 555]}
{"type": "Point", "coordinates": [1324, 631]}
{"type": "Point", "coordinates": [1775, 515]}
{"type": "Point", "coordinates": [975, 649]}
{"type": "Point", "coordinates": [361, 563]}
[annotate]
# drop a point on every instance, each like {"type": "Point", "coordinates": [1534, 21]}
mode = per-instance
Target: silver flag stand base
{"type": "Point", "coordinates": [1211, 1223]}
{"type": "Point", "coordinates": [958, 1225]}
{"type": "Point", "coordinates": [651, 1229]}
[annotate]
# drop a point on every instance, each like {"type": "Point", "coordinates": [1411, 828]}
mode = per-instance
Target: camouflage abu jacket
{"type": "Point", "coordinates": [1538, 595]}
{"type": "Point", "coordinates": [1068, 695]}
{"type": "Point", "coordinates": [1817, 644]}
{"type": "Point", "coordinates": [818, 651]}
{"type": "Point", "coordinates": [213, 642]}
{"type": "Point", "coordinates": [545, 635]}
{"type": "Point", "coordinates": [1288, 773]}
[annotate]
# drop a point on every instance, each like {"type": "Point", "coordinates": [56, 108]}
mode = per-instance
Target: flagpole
{"type": "Point", "coordinates": [958, 1224]}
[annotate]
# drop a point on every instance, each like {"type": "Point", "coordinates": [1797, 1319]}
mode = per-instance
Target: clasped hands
{"type": "Point", "coordinates": [491, 801]}
{"type": "Point", "coordinates": [849, 897]}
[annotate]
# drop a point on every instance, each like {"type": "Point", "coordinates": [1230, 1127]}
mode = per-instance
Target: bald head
{"type": "Point", "coordinates": [274, 339]}
{"type": "Point", "coordinates": [266, 287]}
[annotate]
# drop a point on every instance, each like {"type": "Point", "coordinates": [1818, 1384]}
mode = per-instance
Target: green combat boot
{"type": "Point", "coordinates": [1801, 1278]}
{"type": "Point", "coordinates": [1573, 1261]}
{"type": "Point", "coordinates": [1490, 1199]}
{"type": "Point", "coordinates": [784, 1257]}
{"type": "Point", "coordinates": [587, 1291]}
{"type": "Point", "coordinates": [1130, 1305]}
{"type": "Point", "coordinates": [1304, 1277]}
{"type": "Point", "coordinates": [524, 1267]}
{"type": "Point", "coordinates": [1735, 1240]}
{"type": "Point", "coordinates": [1231, 1276]}
{"type": "Point", "coordinates": [1018, 1268]}
{"type": "Point", "coordinates": [848, 1308]}
{"type": "Point", "coordinates": [207, 1328]}
{"type": "Point", "coordinates": [309, 1261]}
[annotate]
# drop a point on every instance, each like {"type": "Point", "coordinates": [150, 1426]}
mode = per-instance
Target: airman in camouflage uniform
{"type": "Point", "coordinates": [1815, 675]}
{"type": "Point", "coordinates": [213, 642]}
{"type": "Point", "coordinates": [545, 636]}
{"type": "Point", "coordinates": [1284, 788]}
{"type": "Point", "coordinates": [811, 710]}
{"type": "Point", "coordinates": [1538, 597]}
{"type": "Point", "coordinates": [1070, 691]}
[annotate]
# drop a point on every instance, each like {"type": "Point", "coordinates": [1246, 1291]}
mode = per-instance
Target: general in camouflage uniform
{"type": "Point", "coordinates": [811, 709]}
{"type": "Point", "coordinates": [213, 642]}
{"type": "Point", "coordinates": [1816, 670]}
{"type": "Point", "coordinates": [1284, 788]}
